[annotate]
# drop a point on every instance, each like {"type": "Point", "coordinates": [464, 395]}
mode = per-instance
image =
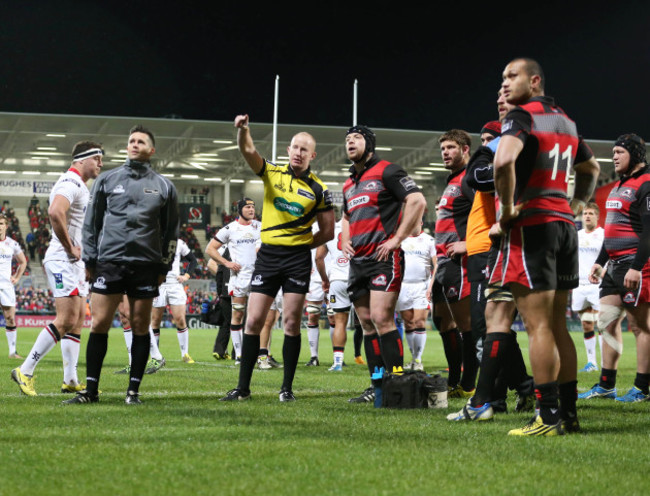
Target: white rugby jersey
{"type": "Point", "coordinates": [336, 262]}
{"type": "Point", "coordinates": [315, 275]}
{"type": "Point", "coordinates": [182, 250]}
{"type": "Point", "coordinates": [72, 188]}
{"type": "Point", "coordinates": [418, 252]}
{"type": "Point", "coordinates": [9, 248]}
{"type": "Point", "coordinates": [242, 240]}
{"type": "Point", "coordinates": [589, 245]}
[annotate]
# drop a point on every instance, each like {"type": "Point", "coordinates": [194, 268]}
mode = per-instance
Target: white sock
{"type": "Point", "coordinates": [410, 340]}
{"type": "Point", "coordinates": [313, 334]}
{"type": "Point", "coordinates": [338, 358]}
{"type": "Point", "coordinates": [600, 345]}
{"type": "Point", "coordinates": [183, 340]}
{"type": "Point", "coordinates": [70, 345]}
{"type": "Point", "coordinates": [154, 351]}
{"type": "Point", "coordinates": [45, 341]}
{"type": "Point", "coordinates": [11, 339]}
{"type": "Point", "coordinates": [590, 346]}
{"type": "Point", "coordinates": [419, 342]}
{"type": "Point", "coordinates": [236, 337]}
{"type": "Point", "coordinates": [128, 339]}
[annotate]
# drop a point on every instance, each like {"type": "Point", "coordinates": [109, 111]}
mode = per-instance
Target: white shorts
{"type": "Point", "coordinates": [412, 296]}
{"type": "Point", "coordinates": [585, 296]}
{"type": "Point", "coordinates": [66, 279]}
{"type": "Point", "coordinates": [338, 297]}
{"type": "Point", "coordinates": [170, 294]}
{"type": "Point", "coordinates": [277, 303]}
{"type": "Point", "coordinates": [8, 296]}
{"type": "Point", "coordinates": [315, 291]}
{"type": "Point", "coordinates": [240, 283]}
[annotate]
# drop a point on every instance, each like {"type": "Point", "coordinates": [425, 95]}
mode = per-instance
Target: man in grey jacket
{"type": "Point", "coordinates": [129, 242]}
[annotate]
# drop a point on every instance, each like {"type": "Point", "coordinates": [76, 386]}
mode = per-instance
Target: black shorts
{"type": "Point", "coordinates": [286, 267]}
{"type": "Point", "coordinates": [136, 281]}
{"type": "Point", "coordinates": [451, 284]}
{"type": "Point", "coordinates": [541, 257]}
{"type": "Point", "coordinates": [371, 275]}
{"type": "Point", "coordinates": [613, 283]}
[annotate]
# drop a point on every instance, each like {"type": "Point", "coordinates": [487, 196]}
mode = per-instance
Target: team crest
{"type": "Point", "coordinates": [452, 191]}
{"type": "Point", "coordinates": [380, 280]}
{"type": "Point", "coordinates": [118, 189]}
{"type": "Point", "coordinates": [452, 292]}
{"type": "Point", "coordinates": [629, 298]}
{"type": "Point", "coordinates": [627, 194]}
{"type": "Point", "coordinates": [257, 280]}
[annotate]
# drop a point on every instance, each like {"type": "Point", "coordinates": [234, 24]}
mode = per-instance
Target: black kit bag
{"type": "Point", "coordinates": [414, 389]}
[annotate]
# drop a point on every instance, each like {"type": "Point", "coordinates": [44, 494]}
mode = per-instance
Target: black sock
{"type": "Point", "coordinates": [250, 348]}
{"type": "Point", "coordinates": [373, 354]}
{"type": "Point", "coordinates": [589, 335]}
{"type": "Point", "coordinates": [95, 353]}
{"type": "Point", "coordinates": [470, 362]}
{"type": "Point", "coordinates": [290, 354]}
{"type": "Point", "coordinates": [549, 408]}
{"type": "Point", "coordinates": [358, 339]}
{"type": "Point", "coordinates": [607, 378]}
{"type": "Point", "coordinates": [451, 342]}
{"type": "Point", "coordinates": [568, 397]}
{"type": "Point", "coordinates": [642, 381]}
{"type": "Point", "coordinates": [139, 357]}
{"type": "Point", "coordinates": [263, 352]}
{"type": "Point", "coordinates": [495, 349]}
{"type": "Point", "coordinates": [392, 350]}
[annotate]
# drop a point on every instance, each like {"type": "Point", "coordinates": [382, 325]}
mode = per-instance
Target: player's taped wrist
{"type": "Point", "coordinates": [506, 209]}
{"type": "Point", "coordinates": [577, 206]}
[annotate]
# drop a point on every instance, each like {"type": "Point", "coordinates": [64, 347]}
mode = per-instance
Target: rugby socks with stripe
{"type": "Point", "coordinates": [10, 332]}
{"type": "Point", "coordinates": [290, 354]}
{"type": "Point", "coordinates": [452, 344]}
{"type": "Point", "coordinates": [410, 340]}
{"type": "Point", "coordinates": [70, 345]}
{"type": "Point", "coordinates": [392, 349]}
{"type": "Point", "coordinates": [373, 355]}
{"type": "Point", "coordinates": [128, 340]}
{"type": "Point", "coordinates": [495, 351]}
{"type": "Point", "coordinates": [46, 340]}
{"type": "Point", "coordinates": [95, 353]}
{"type": "Point", "coordinates": [607, 379]}
{"type": "Point", "coordinates": [183, 340]}
{"type": "Point", "coordinates": [156, 336]}
{"type": "Point", "coordinates": [140, 355]}
{"type": "Point", "coordinates": [590, 346]}
{"type": "Point", "coordinates": [313, 335]}
{"type": "Point", "coordinates": [470, 362]}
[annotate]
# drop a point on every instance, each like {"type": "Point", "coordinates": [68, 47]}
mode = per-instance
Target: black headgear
{"type": "Point", "coordinates": [242, 203]}
{"type": "Point", "coordinates": [635, 146]}
{"type": "Point", "coordinates": [369, 136]}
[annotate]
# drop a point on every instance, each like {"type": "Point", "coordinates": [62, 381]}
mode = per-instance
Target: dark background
{"type": "Point", "coordinates": [429, 68]}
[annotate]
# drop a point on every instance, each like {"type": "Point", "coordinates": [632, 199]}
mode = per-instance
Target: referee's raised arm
{"type": "Point", "coordinates": [246, 145]}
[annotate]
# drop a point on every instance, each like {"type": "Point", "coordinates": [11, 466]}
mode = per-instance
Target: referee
{"type": "Point", "coordinates": [293, 199]}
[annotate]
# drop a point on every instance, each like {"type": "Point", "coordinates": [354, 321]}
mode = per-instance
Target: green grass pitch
{"type": "Point", "coordinates": [183, 441]}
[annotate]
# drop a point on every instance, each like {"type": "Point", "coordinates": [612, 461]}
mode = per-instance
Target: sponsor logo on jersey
{"type": "Point", "coordinates": [372, 186]}
{"type": "Point", "coordinates": [306, 194]}
{"type": "Point", "coordinates": [452, 191]}
{"type": "Point", "coordinates": [407, 183]}
{"type": "Point", "coordinates": [506, 126]}
{"type": "Point", "coordinates": [100, 283]}
{"type": "Point", "coordinates": [629, 298]}
{"type": "Point", "coordinates": [380, 280]}
{"type": "Point", "coordinates": [280, 187]}
{"type": "Point", "coordinates": [145, 288]}
{"type": "Point", "coordinates": [342, 261]}
{"type": "Point", "coordinates": [148, 191]}
{"type": "Point", "coordinates": [613, 204]}
{"type": "Point", "coordinates": [292, 208]}
{"type": "Point", "coordinates": [628, 194]}
{"type": "Point", "coordinates": [257, 280]}
{"type": "Point", "coordinates": [358, 201]}
{"type": "Point", "coordinates": [68, 180]}
{"type": "Point", "coordinates": [118, 189]}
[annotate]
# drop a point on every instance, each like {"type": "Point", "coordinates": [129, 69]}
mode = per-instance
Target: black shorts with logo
{"type": "Point", "coordinates": [371, 275]}
{"type": "Point", "coordinates": [286, 267]}
{"type": "Point", "coordinates": [136, 281]}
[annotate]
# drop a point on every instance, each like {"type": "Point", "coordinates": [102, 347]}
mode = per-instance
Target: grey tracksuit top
{"type": "Point", "coordinates": [132, 218]}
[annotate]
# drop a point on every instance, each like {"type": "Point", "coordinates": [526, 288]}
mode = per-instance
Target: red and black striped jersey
{"type": "Point", "coordinates": [453, 211]}
{"type": "Point", "coordinates": [372, 200]}
{"type": "Point", "coordinates": [551, 147]}
{"type": "Point", "coordinates": [628, 202]}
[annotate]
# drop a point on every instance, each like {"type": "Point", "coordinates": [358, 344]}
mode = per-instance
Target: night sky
{"type": "Point", "coordinates": [429, 69]}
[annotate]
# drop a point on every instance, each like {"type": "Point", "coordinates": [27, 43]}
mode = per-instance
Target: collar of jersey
{"type": "Point", "coordinates": [374, 160]}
